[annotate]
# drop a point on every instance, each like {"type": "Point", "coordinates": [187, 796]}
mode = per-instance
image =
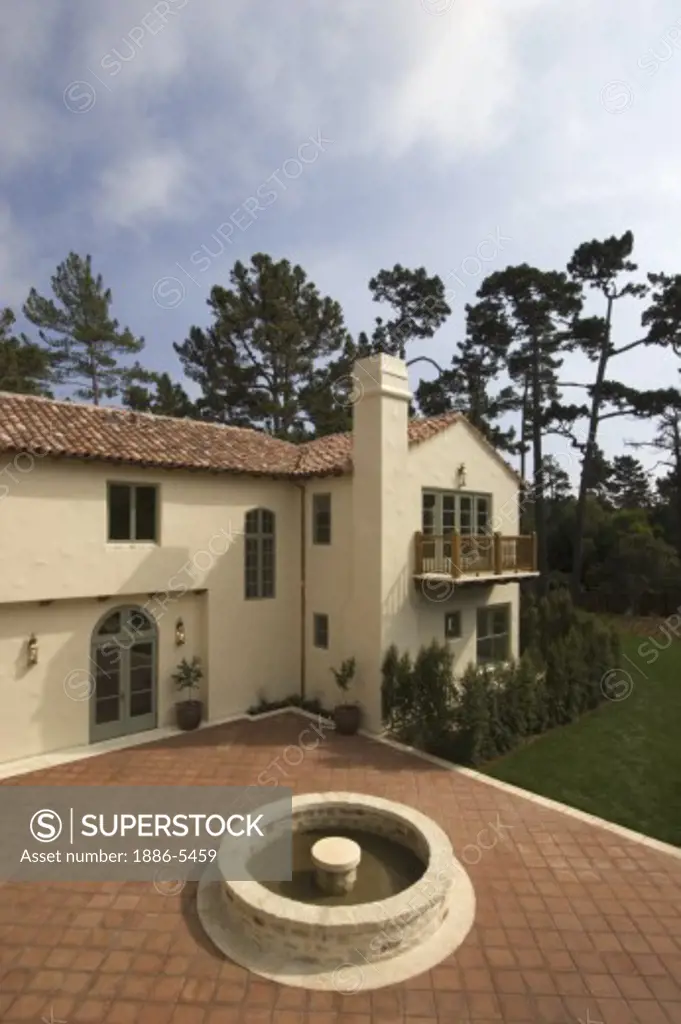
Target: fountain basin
{"type": "Point", "coordinates": [322, 947]}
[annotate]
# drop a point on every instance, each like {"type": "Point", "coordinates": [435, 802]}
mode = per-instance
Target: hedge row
{"type": "Point", "coordinates": [491, 710]}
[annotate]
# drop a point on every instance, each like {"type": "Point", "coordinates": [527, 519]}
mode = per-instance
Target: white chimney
{"type": "Point", "coordinates": [380, 551]}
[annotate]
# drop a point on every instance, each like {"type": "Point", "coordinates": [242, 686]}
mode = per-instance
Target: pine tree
{"type": "Point", "coordinates": [24, 366]}
{"type": "Point", "coordinates": [600, 266]}
{"type": "Point", "coordinates": [628, 486]}
{"type": "Point", "coordinates": [466, 387]}
{"type": "Point", "coordinates": [255, 363]}
{"type": "Point", "coordinates": [534, 309]}
{"type": "Point", "coordinates": [84, 341]}
{"type": "Point", "coordinates": [168, 398]}
{"type": "Point", "coordinates": [418, 301]}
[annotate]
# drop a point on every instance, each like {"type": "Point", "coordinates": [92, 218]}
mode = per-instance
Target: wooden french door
{"type": "Point", "coordinates": [124, 675]}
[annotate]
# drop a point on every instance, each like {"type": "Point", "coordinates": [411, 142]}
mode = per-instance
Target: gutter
{"type": "Point", "coordinates": [303, 596]}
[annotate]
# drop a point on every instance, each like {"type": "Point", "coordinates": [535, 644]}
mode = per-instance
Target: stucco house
{"type": "Point", "coordinates": [270, 561]}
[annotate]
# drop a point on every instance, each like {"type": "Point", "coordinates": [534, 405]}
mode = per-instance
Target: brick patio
{"type": "Point", "coordinates": [574, 923]}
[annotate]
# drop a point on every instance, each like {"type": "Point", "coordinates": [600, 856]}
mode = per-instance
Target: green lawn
{"type": "Point", "coordinates": [621, 762]}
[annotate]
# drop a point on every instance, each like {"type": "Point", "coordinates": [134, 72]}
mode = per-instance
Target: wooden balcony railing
{"type": "Point", "coordinates": [456, 554]}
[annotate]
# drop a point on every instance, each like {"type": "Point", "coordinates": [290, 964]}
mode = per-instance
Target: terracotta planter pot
{"type": "Point", "coordinates": [189, 714]}
{"type": "Point", "coordinates": [347, 718]}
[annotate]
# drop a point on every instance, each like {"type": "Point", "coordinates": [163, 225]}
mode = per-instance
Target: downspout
{"type": "Point", "coordinates": [303, 596]}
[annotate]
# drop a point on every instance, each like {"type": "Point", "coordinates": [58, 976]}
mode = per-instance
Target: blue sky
{"type": "Point", "coordinates": [462, 135]}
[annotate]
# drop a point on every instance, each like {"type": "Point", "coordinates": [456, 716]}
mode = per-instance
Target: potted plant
{"type": "Point", "coordinates": [187, 677]}
{"type": "Point", "coordinates": [347, 717]}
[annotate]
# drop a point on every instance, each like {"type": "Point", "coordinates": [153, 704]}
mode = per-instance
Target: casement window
{"type": "Point", "coordinates": [132, 511]}
{"type": "Point", "coordinates": [493, 633]}
{"type": "Point", "coordinates": [455, 512]}
{"type": "Point", "coordinates": [320, 631]}
{"type": "Point", "coordinates": [321, 518]}
{"type": "Point", "coordinates": [453, 625]}
{"type": "Point", "coordinates": [259, 553]}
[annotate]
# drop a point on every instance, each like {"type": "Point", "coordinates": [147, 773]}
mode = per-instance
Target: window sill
{"type": "Point", "coordinates": [132, 544]}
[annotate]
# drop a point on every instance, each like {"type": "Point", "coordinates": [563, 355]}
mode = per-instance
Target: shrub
{"type": "Point", "coordinates": [418, 697]}
{"type": "Point", "coordinates": [294, 701]}
{"type": "Point", "coordinates": [399, 708]}
{"type": "Point", "coordinates": [493, 709]}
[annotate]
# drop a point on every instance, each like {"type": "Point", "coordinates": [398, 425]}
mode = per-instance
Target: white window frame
{"type": "Point", "coordinates": [487, 637]}
{"type": "Point", "coordinates": [454, 524]}
{"type": "Point", "coordinates": [133, 488]}
{"type": "Point", "coordinates": [459, 633]}
{"type": "Point", "coordinates": [316, 510]}
{"type": "Point", "coordinates": [260, 542]}
{"type": "Point", "coordinates": [319, 618]}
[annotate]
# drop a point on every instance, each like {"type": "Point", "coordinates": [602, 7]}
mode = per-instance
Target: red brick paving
{"type": "Point", "coordinates": [573, 922]}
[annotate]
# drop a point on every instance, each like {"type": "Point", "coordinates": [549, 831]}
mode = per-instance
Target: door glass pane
{"type": "Point", "coordinates": [141, 667]}
{"type": "Point", "coordinates": [140, 704]}
{"type": "Point", "coordinates": [482, 514]}
{"type": "Point", "coordinates": [107, 672]}
{"type": "Point", "coordinates": [119, 512]}
{"type": "Point", "coordinates": [448, 513]}
{"type": "Point", "coordinates": [428, 513]}
{"type": "Point", "coordinates": [138, 622]}
{"type": "Point", "coordinates": [465, 515]}
{"type": "Point", "coordinates": [107, 710]}
{"type": "Point", "coordinates": [111, 625]}
{"type": "Point", "coordinates": [145, 513]}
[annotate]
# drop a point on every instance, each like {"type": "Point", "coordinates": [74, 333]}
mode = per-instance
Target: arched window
{"type": "Point", "coordinates": [259, 553]}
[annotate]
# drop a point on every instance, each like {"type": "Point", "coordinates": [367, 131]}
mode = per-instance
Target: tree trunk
{"type": "Point", "coordinates": [677, 477]}
{"type": "Point", "coordinates": [93, 377]}
{"type": "Point", "coordinates": [523, 430]}
{"type": "Point", "coordinates": [538, 467]}
{"type": "Point", "coordinates": [580, 519]}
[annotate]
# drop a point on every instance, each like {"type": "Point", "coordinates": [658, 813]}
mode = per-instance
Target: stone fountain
{"type": "Point", "coordinates": [377, 897]}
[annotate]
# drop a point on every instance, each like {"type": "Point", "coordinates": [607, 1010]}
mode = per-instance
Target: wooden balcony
{"type": "Point", "coordinates": [467, 558]}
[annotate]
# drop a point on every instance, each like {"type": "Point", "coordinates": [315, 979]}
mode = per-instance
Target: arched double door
{"type": "Point", "coordinates": [124, 674]}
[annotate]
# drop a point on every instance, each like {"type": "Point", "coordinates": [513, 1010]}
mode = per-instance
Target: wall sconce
{"type": "Point", "coordinates": [180, 635]}
{"type": "Point", "coordinates": [32, 650]}
{"type": "Point", "coordinates": [461, 475]}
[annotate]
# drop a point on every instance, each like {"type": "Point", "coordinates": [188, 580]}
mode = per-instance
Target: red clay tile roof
{"type": "Point", "coordinates": [42, 426]}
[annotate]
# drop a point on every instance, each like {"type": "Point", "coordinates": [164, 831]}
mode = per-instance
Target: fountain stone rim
{"type": "Point", "coordinates": [439, 867]}
{"type": "Point", "coordinates": [320, 947]}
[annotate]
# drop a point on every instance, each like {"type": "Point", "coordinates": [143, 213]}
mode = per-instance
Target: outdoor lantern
{"type": "Point", "coordinates": [461, 475]}
{"type": "Point", "coordinates": [32, 650]}
{"type": "Point", "coordinates": [180, 635]}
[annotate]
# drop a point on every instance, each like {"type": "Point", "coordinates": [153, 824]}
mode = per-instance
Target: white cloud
{"type": "Point", "coordinates": [143, 187]}
{"type": "Point", "coordinates": [15, 250]}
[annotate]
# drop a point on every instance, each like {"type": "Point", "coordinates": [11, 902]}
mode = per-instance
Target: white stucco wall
{"type": "Point", "coordinates": [388, 607]}
{"type": "Point", "coordinates": [53, 529]}
{"type": "Point", "coordinates": [329, 589]}
{"type": "Point", "coordinates": [53, 547]}
{"type": "Point", "coordinates": [47, 705]}
{"type": "Point", "coordinates": [413, 614]}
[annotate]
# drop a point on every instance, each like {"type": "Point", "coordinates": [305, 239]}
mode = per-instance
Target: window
{"type": "Point", "coordinates": [451, 511]}
{"type": "Point", "coordinates": [493, 626]}
{"type": "Point", "coordinates": [321, 518]}
{"type": "Point", "coordinates": [133, 512]}
{"type": "Point", "coordinates": [320, 630]}
{"type": "Point", "coordinates": [259, 553]}
{"type": "Point", "coordinates": [453, 626]}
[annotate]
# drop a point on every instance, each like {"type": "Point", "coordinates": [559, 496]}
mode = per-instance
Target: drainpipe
{"type": "Point", "coordinates": [303, 596]}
